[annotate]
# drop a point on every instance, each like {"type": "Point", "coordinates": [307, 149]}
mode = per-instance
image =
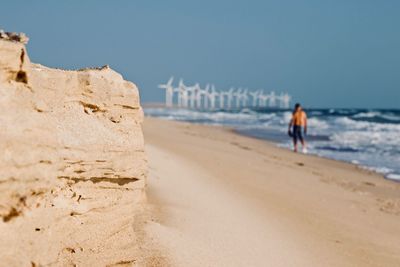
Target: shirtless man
{"type": "Point", "coordinates": [298, 121]}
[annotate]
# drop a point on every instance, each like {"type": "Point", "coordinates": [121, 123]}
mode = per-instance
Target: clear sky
{"type": "Point", "coordinates": [326, 53]}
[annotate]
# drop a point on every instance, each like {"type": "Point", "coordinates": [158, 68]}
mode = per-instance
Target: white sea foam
{"type": "Point", "coordinates": [317, 124]}
{"type": "Point", "coordinates": [382, 170]}
{"type": "Point", "coordinates": [391, 117]}
{"type": "Point", "coordinates": [393, 176]}
{"type": "Point", "coordinates": [370, 114]}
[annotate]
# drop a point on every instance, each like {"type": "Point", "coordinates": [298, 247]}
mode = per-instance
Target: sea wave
{"type": "Point", "coordinates": [370, 114]}
{"type": "Point", "coordinates": [393, 176]}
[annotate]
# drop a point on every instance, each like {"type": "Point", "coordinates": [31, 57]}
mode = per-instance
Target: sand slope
{"type": "Point", "coordinates": [72, 165]}
{"type": "Point", "coordinates": [226, 200]}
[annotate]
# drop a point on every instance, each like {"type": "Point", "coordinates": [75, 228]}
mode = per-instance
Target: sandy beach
{"type": "Point", "coordinates": [157, 134]}
{"type": "Point", "coordinates": [220, 199]}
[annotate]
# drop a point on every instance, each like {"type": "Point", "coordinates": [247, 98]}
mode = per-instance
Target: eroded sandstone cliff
{"type": "Point", "coordinates": [72, 163]}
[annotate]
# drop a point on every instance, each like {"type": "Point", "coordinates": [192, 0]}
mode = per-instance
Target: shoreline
{"type": "Point", "coordinates": [362, 138]}
{"type": "Point", "coordinates": [277, 144]}
{"type": "Point", "coordinates": [219, 198]}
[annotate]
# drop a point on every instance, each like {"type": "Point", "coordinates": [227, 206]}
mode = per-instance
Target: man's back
{"type": "Point", "coordinates": [299, 118]}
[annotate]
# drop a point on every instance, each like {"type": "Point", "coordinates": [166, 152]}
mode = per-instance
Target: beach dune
{"type": "Point", "coordinates": [72, 164]}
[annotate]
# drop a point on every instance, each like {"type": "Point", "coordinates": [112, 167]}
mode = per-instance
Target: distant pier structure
{"type": "Point", "coordinates": [209, 98]}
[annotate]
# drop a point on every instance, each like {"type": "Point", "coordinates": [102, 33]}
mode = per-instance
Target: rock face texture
{"type": "Point", "coordinates": [72, 163]}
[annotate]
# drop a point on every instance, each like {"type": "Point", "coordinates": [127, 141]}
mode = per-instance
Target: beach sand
{"type": "Point", "coordinates": [216, 198]}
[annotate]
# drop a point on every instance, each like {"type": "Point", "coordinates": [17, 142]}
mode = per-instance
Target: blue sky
{"type": "Point", "coordinates": [338, 53]}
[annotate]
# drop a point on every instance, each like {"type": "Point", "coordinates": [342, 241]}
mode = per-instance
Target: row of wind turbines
{"type": "Point", "coordinates": [209, 98]}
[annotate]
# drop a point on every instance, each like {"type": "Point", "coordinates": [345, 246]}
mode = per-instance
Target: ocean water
{"type": "Point", "coordinates": [369, 138]}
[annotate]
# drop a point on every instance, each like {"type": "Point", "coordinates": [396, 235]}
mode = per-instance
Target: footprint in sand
{"type": "Point", "coordinates": [369, 183]}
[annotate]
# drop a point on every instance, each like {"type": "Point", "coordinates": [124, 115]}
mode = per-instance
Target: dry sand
{"type": "Point", "coordinates": [72, 166]}
{"type": "Point", "coordinates": [220, 199]}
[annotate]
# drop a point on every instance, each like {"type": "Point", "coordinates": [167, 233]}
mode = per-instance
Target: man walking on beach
{"type": "Point", "coordinates": [298, 121]}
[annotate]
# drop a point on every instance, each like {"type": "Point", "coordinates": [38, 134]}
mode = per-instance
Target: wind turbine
{"type": "Point", "coordinates": [179, 96]}
{"type": "Point", "coordinates": [244, 97]}
{"type": "Point", "coordinates": [206, 93]}
{"type": "Point", "coordinates": [193, 95]}
{"type": "Point", "coordinates": [272, 99]}
{"type": "Point", "coordinates": [230, 95]}
{"type": "Point", "coordinates": [183, 93]}
{"type": "Point", "coordinates": [255, 97]}
{"type": "Point", "coordinates": [199, 93]}
{"type": "Point", "coordinates": [213, 94]}
{"type": "Point", "coordinates": [285, 100]}
{"type": "Point", "coordinates": [169, 92]}
{"type": "Point", "coordinates": [221, 99]}
{"type": "Point", "coordinates": [237, 95]}
{"type": "Point", "coordinates": [263, 99]}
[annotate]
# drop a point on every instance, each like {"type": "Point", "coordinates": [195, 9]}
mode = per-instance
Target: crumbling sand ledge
{"type": "Point", "coordinates": [72, 164]}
